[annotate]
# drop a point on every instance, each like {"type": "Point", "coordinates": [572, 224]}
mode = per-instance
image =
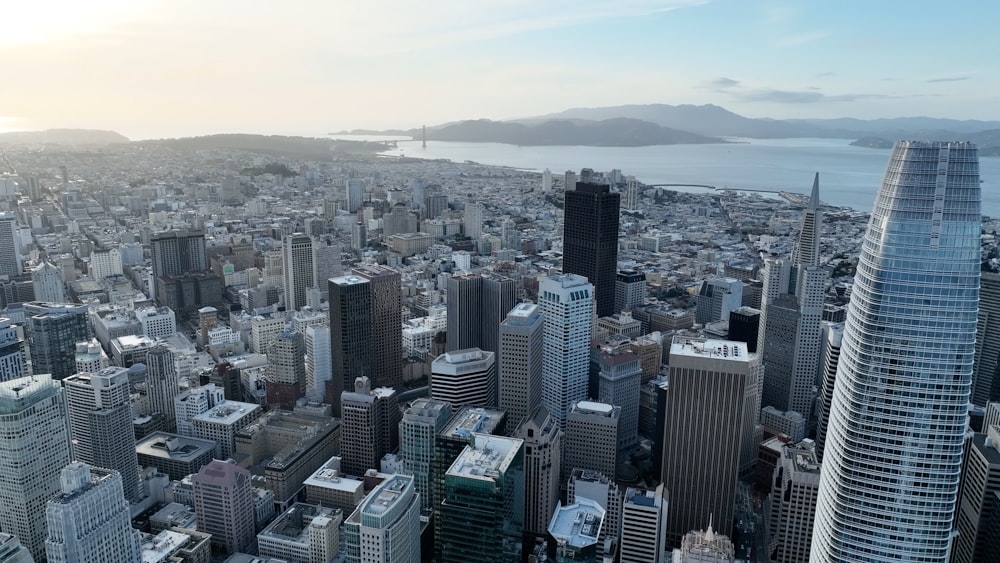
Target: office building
{"type": "Point", "coordinates": [901, 339]}
{"type": "Point", "coordinates": [177, 252]}
{"type": "Point", "coordinates": [519, 362]}
{"type": "Point", "coordinates": [286, 370]}
{"type": "Point", "coordinates": [304, 533]}
{"type": "Point", "coordinates": [644, 515]}
{"type": "Point", "coordinates": [104, 264]}
{"type": "Point", "coordinates": [630, 290]}
{"type": "Point", "coordinates": [297, 257]}
{"type": "Point", "coordinates": [590, 239]}
{"type": "Point", "coordinates": [591, 439]}
{"type": "Point", "coordinates": [350, 301]}
{"type": "Point", "coordinates": [833, 337]}
{"type": "Point", "coordinates": [744, 326]}
{"type": "Point", "coordinates": [12, 352]}
{"type": "Point", "coordinates": [793, 502]}
{"type": "Point", "coordinates": [711, 410]}
{"type": "Point", "coordinates": [354, 190]}
{"type": "Point", "coordinates": [472, 223]}
{"type": "Point", "coordinates": [328, 486]}
{"type": "Point", "coordinates": [465, 377]}
{"type": "Point", "coordinates": [157, 322]}
{"type": "Point", "coordinates": [192, 402]}
{"type": "Point", "coordinates": [224, 504]}
{"type": "Point", "coordinates": [594, 485]}
{"type": "Point", "coordinates": [318, 360]}
{"type": "Point", "coordinates": [706, 546]}
{"type": "Point", "coordinates": [477, 304]}
{"type": "Point", "coordinates": [985, 383]}
{"type": "Point", "coordinates": [567, 303]}
{"type": "Point", "coordinates": [221, 423]}
{"type": "Point", "coordinates": [717, 298]}
{"type": "Point", "coordinates": [10, 248]}
{"type": "Point", "coordinates": [418, 430]}
{"type": "Point", "coordinates": [182, 279]}
{"type": "Point", "coordinates": [542, 470]}
{"type": "Point", "coordinates": [976, 506]}
{"type": "Point", "coordinates": [90, 356]}
{"type": "Point", "coordinates": [807, 247]}
{"type": "Point", "coordinates": [89, 519]}
{"type": "Point", "coordinates": [34, 447]}
{"type": "Point", "coordinates": [481, 513]}
{"type": "Point", "coordinates": [100, 424]}
{"type": "Point", "coordinates": [435, 205]}
{"type": "Point", "coordinates": [53, 330]}
{"type": "Point", "coordinates": [387, 324]}
{"type": "Point", "coordinates": [386, 526]}
{"type": "Point", "coordinates": [575, 529]}
{"type": "Point", "coordinates": [370, 420]}
{"type": "Point", "coordinates": [48, 283]}
{"type": "Point", "coordinates": [619, 380]}
{"type": "Point", "coordinates": [174, 455]}
{"type": "Point", "coordinates": [162, 385]}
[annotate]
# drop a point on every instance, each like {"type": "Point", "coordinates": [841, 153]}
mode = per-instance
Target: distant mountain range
{"type": "Point", "coordinates": [632, 125]}
{"type": "Point", "coordinates": [63, 137]}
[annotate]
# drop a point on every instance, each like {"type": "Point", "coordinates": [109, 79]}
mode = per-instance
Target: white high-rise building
{"type": "Point", "coordinates": [193, 402]}
{"type": "Point", "coordinates": [567, 303]}
{"type": "Point", "coordinates": [386, 525]}
{"type": "Point", "coordinates": [465, 377]}
{"type": "Point", "coordinates": [90, 357]}
{"type": "Point", "coordinates": [643, 532]}
{"type": "Point", "coordinates": [100, 423]}
{"type": "Point", "coordinates": [157, 322]}
{"type": "Point", "coordinates": [48, 282]}
{"type": "Point", "coordinates": [105, 263]}
{"type": "Point", "coordinates": [546, 180]}
{"type": "Point", "coordinates": [319, 362]}
{"type": "Point", "coordinates": [473, 220]}
{"type": "Point", "coordinates": [894, 444]}
{"type": "Point", "coordinates": [89, 520]}
{"type": "Point", "coordinates": [297, 253]}
{"type": "Point", "coordinates": [519, 362]}
{"type": "Point", "coordinates": [34, 447]}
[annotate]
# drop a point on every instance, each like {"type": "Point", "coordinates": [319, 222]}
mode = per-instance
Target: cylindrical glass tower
{"type": "Point", "coordinates": [894, 444]}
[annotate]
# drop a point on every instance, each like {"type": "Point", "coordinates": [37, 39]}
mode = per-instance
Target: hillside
{"type": "Point", "coordinates": [618, 132]}
{"type": "Point", "coordinates": [277, 145]}
{"type": "Point", "coordinates": [63, 137]}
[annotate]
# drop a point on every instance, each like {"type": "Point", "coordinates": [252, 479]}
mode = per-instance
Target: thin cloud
{"type": "Point", "coordinates": [721, 83]}
{"type": "Point", "coordinates": [802, 96]}
{"type": "Point", "coordinates": [949, 79]}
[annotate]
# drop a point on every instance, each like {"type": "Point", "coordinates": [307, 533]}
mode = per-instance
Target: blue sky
{"type": "Point", "coordinates": [164, 68]}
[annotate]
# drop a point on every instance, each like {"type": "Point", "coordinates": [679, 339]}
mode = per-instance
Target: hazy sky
{"type": "Point", "coordinates": [155, 68]}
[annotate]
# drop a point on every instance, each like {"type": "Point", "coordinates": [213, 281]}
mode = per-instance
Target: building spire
{"type": "Point", "coordinates": [814, 198]}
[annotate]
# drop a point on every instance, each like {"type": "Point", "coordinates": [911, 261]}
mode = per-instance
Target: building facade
{"type": "Point", "coordinates": [567, 303]}
{"type": "Point", "coordinates": [590, 239]}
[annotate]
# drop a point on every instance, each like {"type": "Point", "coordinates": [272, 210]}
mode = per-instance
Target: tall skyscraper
{"type": "Point", "coordinates": [481, 511]}
{"type": "Point", "coordinates": [370, 419]}
{"type": "Point", "coordinates": [591, 438]}
{"type": "Point", "coordinates": [618, 384]}
{"type": "Point", "coordinates": [162, 385]}
{"type": "Point", "coordinates": [807, 250]}
{"type": "Point", "coordinates": [712, 405]}
{"type": "Point", "coordinates": [898, 416]}
{"type": "Point", "coordinates": [224, 505]}
{"type": "Point", "coordinates": [12, 353]}
{"type": "Point", "coordinates": [286, 370]}
{"type": "Point", "coordinates": [644, 516]}
{"type": "Point", "coordinates": [473, 220]}
{"type": "Point", "coordinates": [590, 239]}
{"type": "Point", "coordinates": [34, 447]}
{"type": "Point", "coordinates": [519, 362]}
{"type": "Point", "coordinates": [318, 359]}
{"type": "Point", "coordinates": [350, 335]}
{"type": "Point", "coordinates": [181, 278]}
{"type": "Point", "coordinates": [387, 324]}
{"type": "Point", "coordinates": [435, 205]}
{"type": "Point", "coordinates": [89, 520]}
{"type": "Point", "coordinates": [297, 265]}
{"type": "Point", "coordinates": [498, 298]}
{"type": "Point", "coordinates": [53, 331]}
{"type": "Point", "coordinates": [10, 248]}
{"type": "Point", "coordinates": [418, 430]}
{"type": "Point", "coordinates": [833, 338]}
{"type": "Point", "coordinates": [717, 298]}
{"type": "Point", "coordinates": [477, 304]}
{"type": "Point", "coordinates": [567, 303]}
{"type": "Point", "coordinates": [386, 525]}
{"type": "Point", "coordinates": [793, 502]}
{"type": "Point", "coordinates": [355, 191]}
{"type": "Point", "coordinates": [177, 252]}
{"type": "Point", "coordinates": [100, 423]}
{"type": "Point", "coordinates": [985, 383]}
{"type": "Point", "coordinates": [630, 289]}
{"type": "Point", "coordinates": [542, 470]}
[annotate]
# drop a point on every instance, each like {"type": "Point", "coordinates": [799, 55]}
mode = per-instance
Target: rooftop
{"type": "Point", "coordinates": [577, 524]}
{"type": "Point", "coordinates": [473, 419]}
{"type": "Point", "coordinates": [709, 348]}
{"type": "Point", "coordinates": [487, 457]}
{"type": "Point", "coordinates": [293, 524]}
{"type": "Point", "coordinates": [227, 412]}
{"type": "Point", "coordinates": [173, 446]}
{"type": "Point", "coordinates": [385, 495]}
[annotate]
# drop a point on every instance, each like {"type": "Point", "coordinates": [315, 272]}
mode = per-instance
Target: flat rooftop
{"type": "Point", "coordinates": [486, 457]}
{"type": "Point", "coordinates": [293, 524]}
{"type": "Point", "coordinates": [227, 412]}
{"type": "Point", "coordinates": [709, 348]}
{"type": "Point", "coordinates": [174, 446]}
{"type": "Point", "coordinates": [386, 494]}
{"type": "Point", "coordinates": [473, 419]}
{"type": "Point", "coordinates": [577, 524]}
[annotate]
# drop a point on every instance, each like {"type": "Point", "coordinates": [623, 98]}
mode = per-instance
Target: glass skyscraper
{"type": "Point", "coordinates": [898, 414]}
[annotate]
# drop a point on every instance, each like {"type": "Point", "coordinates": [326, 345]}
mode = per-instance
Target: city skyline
{"type": "Point", "coordinates": [187, 68]}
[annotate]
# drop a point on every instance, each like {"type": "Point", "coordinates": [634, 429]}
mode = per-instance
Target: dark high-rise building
{"type": "Point", "coordinates": [590, 239]}
{"type": "Point", "coordinates": [744, 324]}
{"type": "Point", "coordinates": [499, 297]}
{"type": "Point", "coordinates": [286, 370]}
{"type": "Point", "coordinates": [182, 279]}
{"type": "Point", "coordinates": [53, 331]}
{"type": "Point", "coordinates": [387, 325]}
{"type": "Point", "coordinates": [477, 304]}
{"type": "Point", "coordinates": [350, 300]}
{"type": "Point", "coordinates": [985, 383]}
